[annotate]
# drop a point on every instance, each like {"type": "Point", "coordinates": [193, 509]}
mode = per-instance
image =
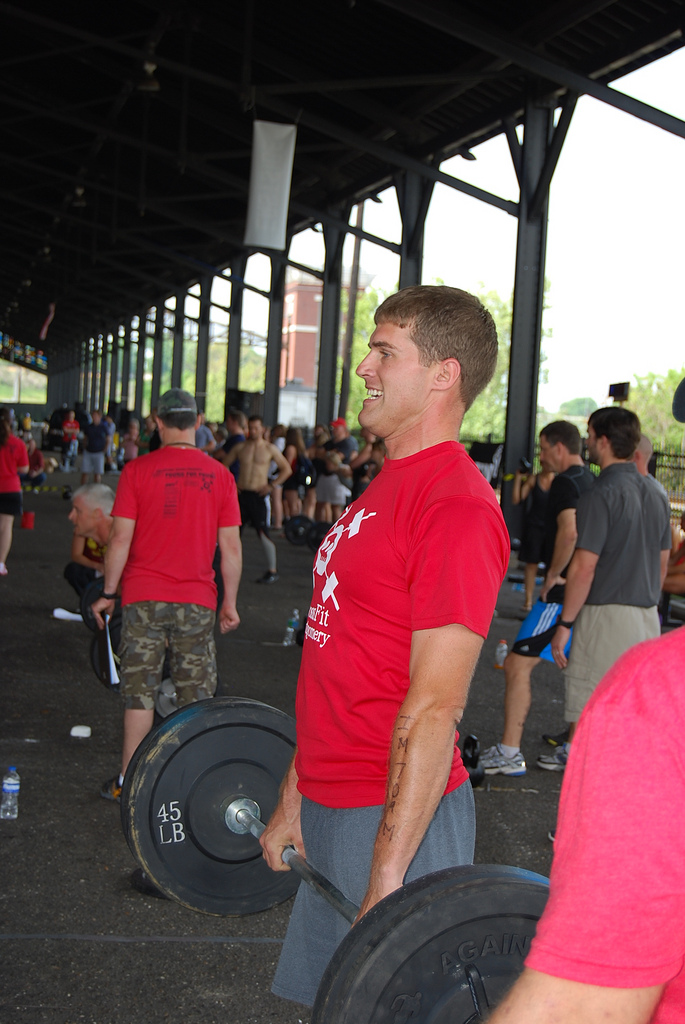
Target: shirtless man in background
{"type": "Point", "coordinates": [255, 456]}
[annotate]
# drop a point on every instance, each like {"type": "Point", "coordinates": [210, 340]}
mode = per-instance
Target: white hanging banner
{"type": "Point", "coordinates": [273, 153]}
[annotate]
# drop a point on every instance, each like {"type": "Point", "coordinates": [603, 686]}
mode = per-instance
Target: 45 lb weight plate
{"type": "Point", "coordinates": [176, 791]}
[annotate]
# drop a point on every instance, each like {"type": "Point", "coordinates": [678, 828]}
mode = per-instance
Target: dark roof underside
{"type": "Point", "coordinates": [113, 196]}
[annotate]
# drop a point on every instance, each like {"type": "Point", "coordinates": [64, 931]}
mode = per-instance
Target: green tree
{"type": "Point", "coordinates": [216, 380]}
{"type": "Point", "coordinates": [578, 407]}
{"type": "Point", "coordinates": [252, 369]}
{"type": "Point", "coordinates": [651, 397]}
{"type": "Point", "coordinates": [367, 303]}
{"type": "Point", "coordinates": [488, 413]}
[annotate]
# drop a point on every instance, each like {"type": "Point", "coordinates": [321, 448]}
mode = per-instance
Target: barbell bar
{"type": "Point", "coordinates": [243, 816]}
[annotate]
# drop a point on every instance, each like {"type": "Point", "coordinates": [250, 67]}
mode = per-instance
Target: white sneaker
{"type": "Point", "coordinates": [494, 762]}
{"type": "Point", "coordinates": [555, 762]}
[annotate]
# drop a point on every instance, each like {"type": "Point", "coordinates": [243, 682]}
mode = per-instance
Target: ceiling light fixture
{"type": "Point", "coordinates": [148, 83]}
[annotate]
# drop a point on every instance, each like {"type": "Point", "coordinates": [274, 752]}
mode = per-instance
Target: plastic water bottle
{"type": "Point", "coordinates": [10, 794]}
{"type": "Point", "coordinates": [501, 652]}
{"type": "Point", "coordinates": [292, 628]}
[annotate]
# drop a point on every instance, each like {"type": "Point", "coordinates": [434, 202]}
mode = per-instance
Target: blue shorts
{"type": "Point", "coordinates": [535, 635]}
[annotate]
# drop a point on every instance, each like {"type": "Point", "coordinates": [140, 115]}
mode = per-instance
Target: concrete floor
{"type": "Point", "coordinates": [77, 943]}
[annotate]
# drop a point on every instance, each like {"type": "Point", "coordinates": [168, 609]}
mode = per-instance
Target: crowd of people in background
{"type": "Point", "coordinates": [327, 466]}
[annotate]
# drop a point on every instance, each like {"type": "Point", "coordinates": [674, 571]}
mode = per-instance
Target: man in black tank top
{"type": "Point", "coordinates": [560, 448]}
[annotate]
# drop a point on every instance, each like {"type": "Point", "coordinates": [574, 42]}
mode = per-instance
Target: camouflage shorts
{"type": "Point", "coordinates": [149, 630]}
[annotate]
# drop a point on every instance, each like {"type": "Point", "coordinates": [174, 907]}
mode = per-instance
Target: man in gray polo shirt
{"type": "Point", "coordinates": [615, 576]}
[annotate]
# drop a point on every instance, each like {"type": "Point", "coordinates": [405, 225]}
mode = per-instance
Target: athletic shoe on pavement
{"type": "Point", "coordinates": [268, 577]}
{"type": "Point", "coordinates": [494, 762]}
{"type": "Point", "coordinates": [556, 741]}
{"type": "Point", "coordinates": [111, 790]}
{"type": "Point", "coordinates": [555, 762]}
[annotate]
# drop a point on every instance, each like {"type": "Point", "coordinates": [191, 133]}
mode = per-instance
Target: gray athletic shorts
{"type": "Point", "coordinates": [339, 842]}
{"type": "Point", "coordinates": [93, 462]}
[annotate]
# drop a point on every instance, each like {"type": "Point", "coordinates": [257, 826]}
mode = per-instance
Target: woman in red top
{"type": "Point", "coordinates": [14, 459]}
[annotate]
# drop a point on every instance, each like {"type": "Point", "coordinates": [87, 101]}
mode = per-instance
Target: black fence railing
{"type": "Point", "coordinates": [667, 465]}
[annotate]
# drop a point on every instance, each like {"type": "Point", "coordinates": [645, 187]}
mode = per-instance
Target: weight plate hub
{"type": "Point", "coordinates": [296, 529]}
{"type": "Point", "coordinates": [443, 949]}
{"type": "Point", "coordinates": [177, 789]}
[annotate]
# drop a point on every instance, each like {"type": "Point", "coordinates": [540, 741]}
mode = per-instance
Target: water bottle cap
{"type": "Point", "coordinates": [12, 768]}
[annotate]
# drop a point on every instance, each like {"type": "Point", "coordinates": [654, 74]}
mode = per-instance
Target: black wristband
{"type": "Point", "coordinates": [110, 597]}
{"type": "Point", "coordinates": [566, 625]}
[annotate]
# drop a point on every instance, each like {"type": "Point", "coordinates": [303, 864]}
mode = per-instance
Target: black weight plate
{"type": "Point", "coordinates": [443, 949]}
{"type": "Point", "coordinates": [296, 528]}
{"type": "Point", "coordinates": [88, 598]}
{"type": "Point", "coordinates": [471, 758]}
{"type": "Point", "coordinates": [182, 778]}
{"type": "Point", "coordinates": [95, 662]}
{"type": "Point", "coordinates": [316, 533]}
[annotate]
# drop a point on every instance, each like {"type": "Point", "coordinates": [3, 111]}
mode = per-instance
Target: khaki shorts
{"type": "Point", "coordinates": [151, 628]}
{"type": "Point", "coordinates": [602, 633]}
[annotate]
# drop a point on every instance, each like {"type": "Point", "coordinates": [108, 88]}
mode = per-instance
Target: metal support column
{"type": "Point", "coordinates": [179, 323]}
{"type": "Point", "coordinates": [203, 342]}
{"type": "Point", "coordinates": [274, 342]}
{"type": "Point", "coordinates": [235, 325]}
{"type": "Point", "coordinates": [105, 365]}
{"type": "Point", "coordinates": [81, 373]}
{"type": "Point", "coordinates": [126, 364]}
{"type": "Point", "coordinates": [157, 356]}
{"type": "Point", "coordinates": [334, 238]}
{"type": "Point", "coordinates": [73, 384]}
{"type": "Point", "coordinates": [140, 367]}
{"type": "Point", "coordinates": [529, 284]}
{"type": "Point", "coordinates": [91, 359]}
{"type": "Point", "coordinates": [114, 367]}
{"type": "Point", "coordinates": [413, 196]}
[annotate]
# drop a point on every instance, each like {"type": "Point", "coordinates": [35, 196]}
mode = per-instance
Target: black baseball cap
{"type": "Point", "coordinates": [176, 400]}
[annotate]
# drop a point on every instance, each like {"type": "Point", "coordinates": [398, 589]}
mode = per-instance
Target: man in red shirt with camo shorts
{"type": "Point", "coordinates": [171, 509]}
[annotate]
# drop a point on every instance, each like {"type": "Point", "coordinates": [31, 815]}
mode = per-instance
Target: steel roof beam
{"type": "Point", "coordinates": [441, 17]}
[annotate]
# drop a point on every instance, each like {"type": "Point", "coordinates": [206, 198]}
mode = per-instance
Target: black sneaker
{"type": "Point", "coordinates": [556, 741]}
{"type": "Point", "coordinates": [111, 790]}
{"type": "Point", "coordinates": [268, 577]}
{"type": "Point", "coordinates": [552, 835]}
